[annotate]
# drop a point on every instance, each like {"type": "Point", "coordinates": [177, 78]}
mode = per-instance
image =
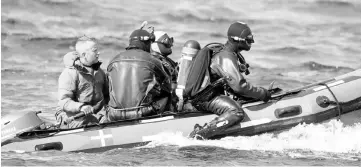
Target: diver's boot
{"type": "Point", "coordinates": [208, 130]}
{"type": "Point", "coordinates": [217, 125]}
{"type": "Point", "coordinates": [157, 107]}
{"type": "Point", "coordinates": [160, 105]}
{"type": "Point", "coordinates": [196, 131]}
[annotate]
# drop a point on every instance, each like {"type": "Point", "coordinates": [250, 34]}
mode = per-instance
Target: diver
{"type": "Point", "coordinates": [138, 83]}
{"type": "Point", "coordinates": [161, 48]}
{"type": "Point", "coordinates": [228, 63]}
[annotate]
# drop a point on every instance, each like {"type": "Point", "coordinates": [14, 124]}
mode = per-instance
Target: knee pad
{"type": "Point", "coordinates": [237, 113]}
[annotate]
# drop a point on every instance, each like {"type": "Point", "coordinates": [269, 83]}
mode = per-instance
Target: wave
{"type": "Point", "coordinates": [324, 3]}
{"type": "Point", "coordinates": [13, 21]}
{"type": "Point", "coordinates": [204, 12]}
{"type": "Point", "coordinates": [332, 137]}
{"type": "Point", "coordinates": [183, 16]}
{"type": "Point", "coordinates": [12, 70]}
{"type": "Point", "coordinates": [313, 66]}
{"type": "Point", "coordinates": [190, 17]}
{"type": "Point", "coordinates": [337, 3]}
{"type": "Point", "coordinates": [15, 24]}
{"type": "Point", "coordinates": [291, 50]}
{"type": "Point", "coordinates": [309, 72]}
{"type": "Point", "coordinates": [57, 2]}
{"type": "Point", "coordinates": [345, 9]}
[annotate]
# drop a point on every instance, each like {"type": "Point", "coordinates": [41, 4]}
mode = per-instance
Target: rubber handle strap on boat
{"type": "Point", "coordinates": [338, 104]}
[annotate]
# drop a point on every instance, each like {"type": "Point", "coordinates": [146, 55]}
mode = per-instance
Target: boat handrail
{"type": "Point", "coordinates": [110, 124]}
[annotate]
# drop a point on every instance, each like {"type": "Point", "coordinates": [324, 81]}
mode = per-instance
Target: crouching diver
{"type": "Point", "coordinates": [138, 83]}
{"type": "Point", "coordinates": [226, 65]}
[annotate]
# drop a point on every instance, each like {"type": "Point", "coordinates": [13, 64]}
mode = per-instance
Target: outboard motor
{"type": "Point", "coordinates": [189, 52]}
{"type": "Point", "coordinates": [15, 124]}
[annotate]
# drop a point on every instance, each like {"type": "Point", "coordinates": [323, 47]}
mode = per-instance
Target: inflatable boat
{"type": "Point", "coordinates": [317, 102]}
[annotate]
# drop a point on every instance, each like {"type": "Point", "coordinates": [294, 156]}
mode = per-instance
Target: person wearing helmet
{"type": "Point", "coordinates": [82, 85]}
{"type": "Point", "coordinates": [161, 48]}
{"type": "Point", "coordinates": [138, 83]}
{"type": "Point", "coordinates": [228, 63]}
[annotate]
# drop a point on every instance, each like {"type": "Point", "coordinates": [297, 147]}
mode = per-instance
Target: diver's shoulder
{"type": "Point", "coordinates": [225, 54]}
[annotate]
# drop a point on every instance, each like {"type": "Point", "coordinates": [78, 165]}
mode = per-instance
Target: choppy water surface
{"type": "Point", "coordinates": [297, 43]}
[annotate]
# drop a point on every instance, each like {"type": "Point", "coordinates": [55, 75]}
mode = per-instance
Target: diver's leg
{"type": "Point", "coordinates": [230, 113]}
{"type": "Point", "coordinates": [157, 107]}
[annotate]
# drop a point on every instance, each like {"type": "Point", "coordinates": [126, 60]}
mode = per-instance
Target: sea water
{"type": "Point", "coordinates": [296, 43]}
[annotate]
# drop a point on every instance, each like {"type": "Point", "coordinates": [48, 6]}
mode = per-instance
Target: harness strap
{"type": "Point", "coordinates": [208, 93]}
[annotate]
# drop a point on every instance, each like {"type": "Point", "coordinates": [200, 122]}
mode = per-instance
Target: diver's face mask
{"type": "Point", "coordinates": [144, 38]}
{"type": "Point", "coordinates": [249, 40]}
{"type": "Point", "coordinates": [166, 41]}
{"type": "Point", "coordinates": [244, 43]}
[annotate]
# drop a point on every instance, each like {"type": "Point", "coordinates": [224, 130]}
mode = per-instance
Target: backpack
{"type": "Point", "coordinates": [195, 78]}
{"type": "Point", "coordinates": [199, 74]}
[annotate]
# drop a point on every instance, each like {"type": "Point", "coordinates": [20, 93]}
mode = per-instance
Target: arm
{"type": "Point", "coordinates": [106, 89]}
{"type": "Point", "coordinates": [225, 65]}
{"type": "Point", "coordinates": [164, 78]}
{"type": "Point", "coordinates": [66, 91]}
{"type": "Point", "coordinates": [171, 68]}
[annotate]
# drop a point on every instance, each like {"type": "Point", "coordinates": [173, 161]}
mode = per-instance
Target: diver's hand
{"type": "Point", "coordinates": [275, 90]}
{"type": "Point", "coordinates": [267, 95]}
{"type": "Point", "coordinates": [147, 27]}
{"type": "Point", "coordinates": [87, 110]}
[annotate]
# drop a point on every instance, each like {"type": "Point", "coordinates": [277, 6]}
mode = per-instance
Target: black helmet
{"type": "Point", "coordinates": [141, 38]}
{"type": "Point", "coordinates": [141, 35]}
{"type": "Point", "coordinates": [240, 34]}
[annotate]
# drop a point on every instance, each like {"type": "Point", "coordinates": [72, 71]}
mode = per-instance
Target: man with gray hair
{"type": "Point", "coordinates": [83, 86]}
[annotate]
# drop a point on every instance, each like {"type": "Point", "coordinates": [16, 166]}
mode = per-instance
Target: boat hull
{"type": "Point", "coordinates": [338, 97]}
{"type": "Point", "coordinates": [98, 138]}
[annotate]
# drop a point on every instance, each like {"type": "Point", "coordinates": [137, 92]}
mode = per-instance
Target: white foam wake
{"type": "Point", "coordinates": [331, 137]}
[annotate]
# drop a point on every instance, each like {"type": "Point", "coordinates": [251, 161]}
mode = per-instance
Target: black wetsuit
{"type": "Point", "coordinates": [225, 64]}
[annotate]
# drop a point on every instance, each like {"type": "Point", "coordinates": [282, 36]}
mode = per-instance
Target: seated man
{"type": "Point", "coordinates": [138, 83]}
{"type": "Point", "coordinates": [228, 63]}
{"type": "Point", "coordinates": [82, 85]}
{"type": "Point", "coordinates": [161, 48]}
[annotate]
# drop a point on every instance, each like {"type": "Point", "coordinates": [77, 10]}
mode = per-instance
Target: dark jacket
{"type": "Point", "coordinates": [226, 64]}
{"type": "Point", "coordinates": [170, 66]}
{"type": "Point", "coordinates": [136, 78]}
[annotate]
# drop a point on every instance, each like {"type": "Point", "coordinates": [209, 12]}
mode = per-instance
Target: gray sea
{"type": "Point", "coordinates": [296, 43]}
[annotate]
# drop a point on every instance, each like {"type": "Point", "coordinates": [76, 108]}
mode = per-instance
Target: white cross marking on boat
{"type": "Point", "coordinates": [102, 137]}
